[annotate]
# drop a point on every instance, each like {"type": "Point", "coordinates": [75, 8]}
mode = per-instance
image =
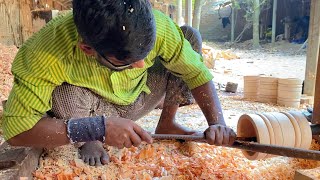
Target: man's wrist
{"type": "Point", "coordinates": [86, 129]}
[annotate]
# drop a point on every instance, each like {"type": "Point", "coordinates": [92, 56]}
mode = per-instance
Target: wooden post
{"type": "Point", "coordinates": [274, 21]}
{"type": "Point", "coordinates": [313, 50]}
{"type": "Point", "coordinates": [316, 109]}
{"type": "Point", "coordinates": [196, 18]}
{"type": "Point", "coordinates": [287, 31]}
{"type": "Point", "coordinates": [256, 17]}
{"type": "Point", "coordinates": [179, 12]}
{"type": "Point", "coordinates": [188, 12]}
{"type": "Point", "coordinates": [232, 24]}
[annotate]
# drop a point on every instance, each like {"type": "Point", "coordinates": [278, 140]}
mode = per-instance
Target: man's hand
{"type": "Point", "coordinates": [220, 135]}
{"type": "Point", "coordinates": [122, 133]}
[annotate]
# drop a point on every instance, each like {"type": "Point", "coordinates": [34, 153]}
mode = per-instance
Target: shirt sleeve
{"type": "Point", "coordinates": [178, 55]}
{"type": "Point", "coordinates": [30, 97]}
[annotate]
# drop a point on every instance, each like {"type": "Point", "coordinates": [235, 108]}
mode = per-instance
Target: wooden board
{"type": "Point", "coordinates": [308, 174]}
{"type": "Point", "coordinates": [25, 20]}
{"type": "Point", "coordinates": [9, 13]}
{"type": "Point", "coordinates": [313, 48]}
{"type": "Point", "coordinates": [17, 162]}
{"type": "Point", "coordinates": [16, 23]}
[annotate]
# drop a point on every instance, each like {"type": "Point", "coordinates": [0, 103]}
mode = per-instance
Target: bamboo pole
{"type": "Point", "coordinates": [188, 12]}
{"type": "Point", "coordinates": [232, 24]}
{"type": "Point", "coordinates": [256, 18]}
{"type": "Point", "coordinates": [274, 20]}
{"type": "Point", "coordinates": [179, 12]}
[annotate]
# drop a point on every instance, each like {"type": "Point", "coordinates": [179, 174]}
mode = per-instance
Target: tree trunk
{"type": "Point", "coordinates": [274, 20]}
{"type": "Point", "coordinates": [179, 13]}
{"type": "Point", "coordinates": [256, 15]}
{"type": "Point", "coordinates": [197, 13]}
{"type": "Point", "coordinates": [188, 12]}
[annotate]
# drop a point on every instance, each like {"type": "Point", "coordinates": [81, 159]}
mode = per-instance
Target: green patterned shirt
{"type": "Point", "coordinates": [51, 57]}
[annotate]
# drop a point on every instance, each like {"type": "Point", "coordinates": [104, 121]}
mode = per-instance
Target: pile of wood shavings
{"type": "Point", "coordinates": [164, 160]}
{"type": "Point", "coordinates": [7, 54]}
{"type": "Point", "coordinates": [172, 160]}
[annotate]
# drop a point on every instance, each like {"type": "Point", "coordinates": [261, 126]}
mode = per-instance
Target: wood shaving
{"type": "Point", "coordinates": [173, 160]}
{"type": "Point", "coordinates": [170, 160]}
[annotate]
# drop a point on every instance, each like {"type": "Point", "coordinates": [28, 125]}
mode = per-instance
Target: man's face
{"type": "Point", "coordinates": [117, 65]}
{"type": "Point", "coordinates": [110, 62]}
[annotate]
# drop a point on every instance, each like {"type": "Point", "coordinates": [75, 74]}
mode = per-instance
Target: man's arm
{"type": "Point", "coordinates": [51, 132]}
{"type": "Point", "coordinates": [217, 133]}
{"type": "Point", "coordinates": [207, 99]}
{"type": "Point", "coordinates": [47, 133]}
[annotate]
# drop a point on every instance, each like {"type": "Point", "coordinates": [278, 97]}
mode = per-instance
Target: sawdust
{"type": "Point", "coordinates": [173, 160]}
{"type": "Point", "coordinates": [170, 160]}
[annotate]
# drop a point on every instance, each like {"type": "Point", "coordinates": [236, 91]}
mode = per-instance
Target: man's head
{"type": "Point", "coordinates": [121, 32]}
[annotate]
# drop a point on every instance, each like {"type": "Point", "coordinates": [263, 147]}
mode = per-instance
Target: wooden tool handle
{"type": "Point", "coordinates": [251, 146]}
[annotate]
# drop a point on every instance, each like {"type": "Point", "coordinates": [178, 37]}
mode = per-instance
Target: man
{"type": "Point", "coordinates": [85, 76]}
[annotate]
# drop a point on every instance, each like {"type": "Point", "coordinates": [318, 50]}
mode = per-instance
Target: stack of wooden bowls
{"type": "Point", "coordinates": [250, 87]}
{"type": "Point", "coordinates": [268, 89]}
{"type": "Point", "coordinates": [289, 92]}
{"type": "Point", "coordinates": [289, 129]}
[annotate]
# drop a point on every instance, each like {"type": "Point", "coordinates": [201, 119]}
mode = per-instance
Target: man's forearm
{"type": "Point", "coordinates": [207, 99]}
{"type": "Point", "coordinates": [47, 133]}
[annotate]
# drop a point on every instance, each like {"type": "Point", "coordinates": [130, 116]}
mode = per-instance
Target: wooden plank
{"type": "Point", "coordinates": [313, 50]}
{"type": "Point", "coordinates": [17, 162]}
{"type": "Point", "coordinates": [9, 25]}
{"type": "Point", "coordinates": [16, 24]}
{"type": "Point", "coordinates": [314, 56]}
{"type": "Point", "coordinates": [25, 21]}
{"type": "Point", "coordinates": [307, 174]}
{"type": "Point", "coordinates": [316, 109]}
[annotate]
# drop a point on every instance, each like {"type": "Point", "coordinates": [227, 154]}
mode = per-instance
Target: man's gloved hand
{"type": "Point", "coordinates": [220, 135]}
{"type": "Point", "coordinates": [121, 132]}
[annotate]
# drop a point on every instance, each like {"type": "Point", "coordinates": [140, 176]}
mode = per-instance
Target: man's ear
{"type": "Point", "coordinates": [86, 49]}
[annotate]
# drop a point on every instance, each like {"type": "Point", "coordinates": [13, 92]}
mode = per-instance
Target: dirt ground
{"type": "Point", "coordinates": [280, 60]}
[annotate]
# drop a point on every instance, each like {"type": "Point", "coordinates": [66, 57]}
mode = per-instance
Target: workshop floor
{"type": "Point", "coordinates": [172, 160]}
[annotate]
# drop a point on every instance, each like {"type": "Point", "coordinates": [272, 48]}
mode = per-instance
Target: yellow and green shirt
{"type": "Point", "coordinates": [51, 57]}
